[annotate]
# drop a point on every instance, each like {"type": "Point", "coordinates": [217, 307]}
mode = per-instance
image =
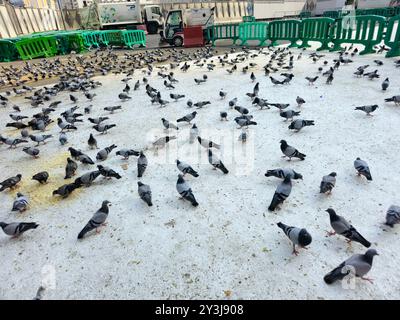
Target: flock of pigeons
{"type": "Point", "coordinates": [75, 75]}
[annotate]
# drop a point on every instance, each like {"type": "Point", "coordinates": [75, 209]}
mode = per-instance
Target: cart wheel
{"type": "Point", "coordinates": [178, 41]}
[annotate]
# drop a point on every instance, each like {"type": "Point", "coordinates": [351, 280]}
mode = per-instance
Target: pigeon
{"type": "Point", "coordinates": [233, 102]}
{"type": "Point", "coordinates": [17, 117]}
{"type": "Point", "coordinates": [298, 124]}
{"type": "Point", "coordinates": [395, 99]}
{"type": "Point", "coordinates": [40, 138]}
{"type": "Point", "coordinates": [15, 229]}
{"type": "Point", "coordinates": [329, 79]}
{"type": "Point", "coordinates": [243, 136]}
{"type": "Point", "coordinates": [299, 236]}
{"type": "Point", "coordinates": [63, 138]}
{"type": "Point", "coordinates": [189, 117]}
{"type": "Point", "coordinates": [360, 264]}
{"type": "Point", "coordinates": [85, 159]}
{"type": "Point", "coordinates": [393, 216]}
{"type": "Point", "coordinates": [88, 109]}
{"type": "Point", "coordinates": [216, 163]}
{"type": "Point", "coordinates": [65, 125]}
{"type": "Point", "coordinates": [290, 151]}
{"type": "Point", "coordinates": [141, 164]}
{"type": "Point", "coordinates": [252, 77]}
{"type": "Point", "coordinates": [73, 98]}
{"type": "Point", "coordinates": [41, 177]}
{"type": "Point", "coordinates": [385, 84]}
{"type": "Point", "coordinates": [111, 109]}
{"type": "Point", "coordinates": [145, 193]}
{"type": "Point", "coordinates": [169, 85]}
{"type": "Point", "coordinates": [185, 191]}
{"type": "Point", "coordinates": [201, 104]}
{"type": "Point", "coordinates": [368, 109]}
{"type": "Point", "coordinates": [262, 103]}
{"type": "Point", "coordinates": [193, 133]}
{"type": "Point", "coordinates": [327, 183]}
{"type": "Point", "coordinates": [283, 173]}
{"type": "Point", "coordinates": [371, 75]}
{"type": "Point", "coordinates": [10, 183]}
{"type": "Point", "coordinates": [255, 92]}
{"type": "Point", "coordinates": [362, 168]}
{"type": "Point", "coordinates": [186, 168]}
{"type": "Point", "coordinates": [103, 153]}
{"type": "Point", "coordinates": [275, 81]}
{"type": "Point", "coordinates": [281, 193]}
{"type": "Point", "coordinates": [311, 80]}
{"type": "Point", "coordinates": [65, 190]}
{"type": "Point", "coordinates": [25, 133]}
{"type": "Point", "coordinates": [126, 153]}
{"type": "Point", "coordinates": [244, 122]}
{"type": "Point", "coordinates": [103, 128]}
{"type": "Point", "coordinates": [12, 142]}
{"type": "Point", "coordinates": [161, 142]}
{"type": "Point", "coordinates": [300, 101]}
{"type": "Point", "coordinates": [34, 152]}
{"type": "Point", "coordinates": [341, 226]}
{"type": "Point", "coordinates": [168, 125]}
{"type": "Point", "coordinates": [98, 219]}
{"type": "Point", "coordinates": [289, 114]}
{"type": "Point", "coordinates": [176, 97]}
{"type": "Point", "coordinates": [108, 172]}
{"type": "Point", "coordinates": [70, 168]}
{"type": "Point", "coordinates": [123, 96]}
{"type": "Point", "coordinates": [223, 115]}
{"type": "Point", "coordinates": [222, 94]}
{"type": "Point", "coordinates": [20, 203]}
{"type": "Point", "coordinates": [280, 106]}
{"type": "Point", "coordinates": [241, 110]}
{"type": "Point", "coordinates": [92, 142]}
{"type": "Point", "coordinates": [97, 120]}
{"type": "Point", "coordinates": [199, 81]}
{"type": "Point", "coordinates": [208, 143]}
{"type": "Point", "coordinates": [87, 178]}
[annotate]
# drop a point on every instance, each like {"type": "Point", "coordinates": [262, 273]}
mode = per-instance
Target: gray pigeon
{"type": "Point", "coordinates": [289, 114]}
{"type": "Point", "coordinates": [360, 264]}
{"type": "Point", "coordinates": [34, 152]}
{"type": "Point", "coordinates": [185, 191]}
{"type": "Point", "coordinates": [126, 153]}
{"type": "Point", "coordinates": [189, 117]}
{"type": "Point", "coordinates": [63, 138]}
{"type": "Point", "coordinates": [168, 125]}
{"type": "Point", "coordinates": [300, 101]}
{"type": "Point", "coordinates": [87, 179]}
{"type": "Point", "coordinates": [208, 143]}
{"type": "Point", "coordinates": [393, 215]}
{"type": "Point", "coordinates": [368, 109]}
{"type": "Point", "coordinates": [327, 183]}
{"type": "Point", "coordinates": [341, 226]}
{"type": "Point", "coordinates": [194, 133]}
{"type": "Point", "coordinates": [281, 193]}
{"type": "Point", "coordinates": [216, 163]}
{"type": "Point", "coordinates": [283, 173]}
{"type": "Point", "coordinates": [10, 183]}
{"type": "Point", "coordinates": [290, 151]}
{"type": "Point", "coordinates": [98, 219]}
{"type": "Point", "coordinates": [395, 99]}
{"type": "Point", "coordinates": [186, 168]}
{"type": "Point", "coordinates": [298, 236]}
{"type": "Point", "coordinates": [141, 164]}
{"type": "Point", "coordinates": [385, 84]}
{"type": "Point", "coordinates": [15, 229]}
{"type": "Point", "coordinates": [362, 168]}
{"type": "Point", "coordinates": [299, 124]}
{"type": "Point", "coordinates": [41, 177]}
{"type": "Point", "coordinates": [145, 193]}
{"type": "Point", "coordinates": [103, 154]}
{"type": "Point", "coordinates": [70, 168]}
{"type": "Point", "coordinates": [65, 190]}
{"type": "Point", "coordinates": [20, 203]}
{"type": "Point", "coordinates": [108, 172]}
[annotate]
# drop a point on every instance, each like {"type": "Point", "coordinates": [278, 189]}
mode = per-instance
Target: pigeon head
{"type": "Point", "coordinates": [140, 183]}
{"type": "Point", "coordinates": [298, 176]}
{"type": "Point", "coordinates": [106, 204]}
{"type": "Point", "coordinates": [332, 213]}
{"type": "Point", "coordinates": [283, 142]}
{"type": "Point", "coordinates": [100, 167]}
{"type": "Point", "coordinates": [19, 194]}
{"type": "Point", "coordinates": [371, 253]}
{"type": "Point", "coordinates": [177, 161]}
{"type": "Point", "coordinates": [3, 224]}
{"type": "Point", "coordinates": [333, 174]}
{"type": "Point", "coordinates": [304, 238]}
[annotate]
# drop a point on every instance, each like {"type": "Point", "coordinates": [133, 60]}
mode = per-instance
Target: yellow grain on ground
{"type": "Point", "coordinates": [41, 195]}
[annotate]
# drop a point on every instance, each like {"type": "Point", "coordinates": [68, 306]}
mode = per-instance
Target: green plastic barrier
{"type": "Point", "coordinates": [335, 14]}
{"type": "Point", "coordinates": [392, 37]}
{"type": "Point", "coordinates": [91, 39]}
{"type": "Point", "coordinates": [365, 30]}
{"type": "Point", "coordinates": [36, 47]}
{"type": "Point", "coordinates": [249, 19]}
{"type": "Point", "coordinates": [132, 37]}
{"type": "Point", "coordinates": [253, 31]}
{"type": "Point", "coordinates": [289, 30]}
{"type": "Point", "coordinates": [111, 38]}
{"type": "Point", "coordinates": [70, 41]}
{"type": "Point", "coordinates": [317, 29]}
{"type": "Point", "coordinates": [223, 32]}
{"type": "Point", "coordinates": [8, 52]}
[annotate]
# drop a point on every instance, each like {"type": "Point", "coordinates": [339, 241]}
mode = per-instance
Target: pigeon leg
{"type": "Point", "coordinates": [295, 252]}
{"type": "Point", "coordinates": [368, 279]}
{"type": "Point", "coordinates": [104, 224]}
{"type": "Point", "coordinates": [330, 233]}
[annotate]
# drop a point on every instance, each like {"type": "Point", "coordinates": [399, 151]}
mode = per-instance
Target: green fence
{"type": "Point", "coordinates": [36, 47]}
{"type": "Point", "coordinates": [223, 32]}
{"type": "Point", "coordinates": [384, 12]}
{"type": "Point", "coordinates": [305, 14]}
{"type": "Point", "coordinates": [8, 52]}
{"type": "Point", "coordinates": [111, 38]}
{"type": "Point", "coordinates": [91, 39]}
{"type": "Point", "coordinates": [317, 29]}
{"type": "Point", "coordinates": [133, 37]}
{"type": "Point", "coordinates": [289, 30]}
{"type": "Point", "coordinates": [392, 37]}
{"type": "Point", "coordinates": [335, 14]}
{"type": "Point", "coordinates": [365, 30]}
{"type": "Point", "coordinates": [253, 31]}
